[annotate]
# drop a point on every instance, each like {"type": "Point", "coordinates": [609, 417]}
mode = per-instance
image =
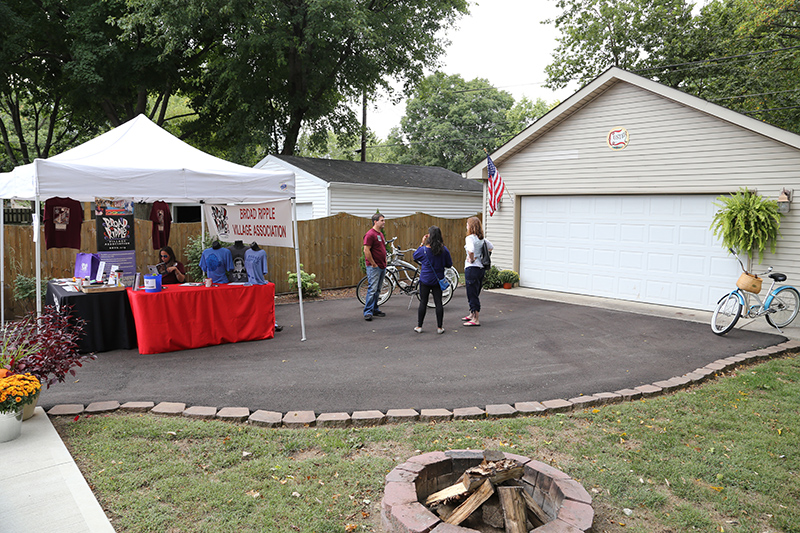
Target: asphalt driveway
{"type": "Point", "coordinates": [526, 350]}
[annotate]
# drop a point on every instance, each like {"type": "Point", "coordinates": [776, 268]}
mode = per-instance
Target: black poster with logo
{"type": "Point", "coordinates": [115, 226]}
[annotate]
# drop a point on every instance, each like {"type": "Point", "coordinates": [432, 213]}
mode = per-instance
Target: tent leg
{"type": "Point", "coordinates": [38, 247]}
{"type": "Point", "coordinates": [202, 226]}
{"type": "Point", "coordinates": [297, 265]}
{"type": "Point", "coordinates": [2, 262]}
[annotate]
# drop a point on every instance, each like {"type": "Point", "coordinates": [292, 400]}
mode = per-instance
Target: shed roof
{"type": "Point", "coordinates": [383, 174]}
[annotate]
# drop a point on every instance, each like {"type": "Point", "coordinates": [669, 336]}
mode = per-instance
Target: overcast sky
{"type": "Point", "coordinates": [502, 41]}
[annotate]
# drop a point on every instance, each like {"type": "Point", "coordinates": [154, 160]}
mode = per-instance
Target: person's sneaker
{"type": "Point", "coordinates": [379, 314]}
{"type": "Point", "coordinates": [278, 328]}
{"type": "Point", "coordinates": [367, 317]}
{"type": "Point", "coordinates": [439, 330]}
{"type": "Point", "coordinates": [418, 329]}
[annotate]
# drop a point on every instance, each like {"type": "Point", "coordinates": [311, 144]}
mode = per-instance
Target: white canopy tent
{"type": "Point", "coordinates": [142, 161]}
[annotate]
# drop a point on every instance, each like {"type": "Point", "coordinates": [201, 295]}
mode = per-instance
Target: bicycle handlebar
{"type": "Point", "coordinates": [731, 250]}
{"type": "Point", "coordinates": [764, 273]}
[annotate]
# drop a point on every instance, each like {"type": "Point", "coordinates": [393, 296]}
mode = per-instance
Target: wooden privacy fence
{"type": "Point", "coordinates": [329, 247]}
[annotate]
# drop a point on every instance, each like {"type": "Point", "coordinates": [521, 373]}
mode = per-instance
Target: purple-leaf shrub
{"type": "Point", "coordinates": [48, 346]}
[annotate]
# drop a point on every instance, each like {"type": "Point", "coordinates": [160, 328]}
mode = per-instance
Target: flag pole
{"type": "Point", "coordinates": [504, 185]}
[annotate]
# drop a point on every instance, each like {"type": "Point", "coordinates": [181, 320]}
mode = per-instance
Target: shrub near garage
{"type": "Point", "coordinates": [491, 279]}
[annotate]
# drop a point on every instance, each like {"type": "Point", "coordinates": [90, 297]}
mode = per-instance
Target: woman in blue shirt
{"type": "Point", "coordinates": [433, 257]}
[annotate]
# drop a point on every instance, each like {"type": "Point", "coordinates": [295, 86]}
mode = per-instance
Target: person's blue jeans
{"type": "Point", "coordinates": [375, 277]}
{"type": "Point", "coordinates": [473, 278]}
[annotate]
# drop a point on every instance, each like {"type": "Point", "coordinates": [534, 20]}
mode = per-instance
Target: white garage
{"type": "Point", "coordinates": [612, 194]}
{"type": "Point", "coordinates": [653, 249]}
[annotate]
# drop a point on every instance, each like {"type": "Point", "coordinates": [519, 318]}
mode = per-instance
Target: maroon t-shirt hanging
{"type": "Point", "coordinates": [161, 219]}
{"type": "Point", "coordinates": [62, 223]}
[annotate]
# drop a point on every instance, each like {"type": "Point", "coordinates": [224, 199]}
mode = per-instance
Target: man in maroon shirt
{"type": "Point", "coordinates": [375, 259]}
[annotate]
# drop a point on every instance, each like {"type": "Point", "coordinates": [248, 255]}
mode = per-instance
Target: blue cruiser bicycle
{"type": "Point", "coordinates": [779, 307]}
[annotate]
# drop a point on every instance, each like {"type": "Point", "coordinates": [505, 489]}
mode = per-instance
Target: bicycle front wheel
{"type": "Point", "coordinates": [448, 294]}
{"type": "Point", "coordinates": [363, 287]}
{"type": "Point", "coordinates": [452, 275]}
{"type": "Point", "coordinates": [783, 308]}
{"type": "Point", "coordinates": [726, 314]}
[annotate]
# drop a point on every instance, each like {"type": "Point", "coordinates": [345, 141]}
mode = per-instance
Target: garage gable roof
{"type": "Point", "coordinates": [381, 174]}
{"type": "Point", "coordinates": [600, 85]}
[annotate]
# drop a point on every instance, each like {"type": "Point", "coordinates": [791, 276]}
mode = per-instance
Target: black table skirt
{"type": "Point", "coordinates": [109, 320]}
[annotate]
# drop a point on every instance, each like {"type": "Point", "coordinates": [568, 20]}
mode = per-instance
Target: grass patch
{"type": "Point", "coordinates": [720, 457]}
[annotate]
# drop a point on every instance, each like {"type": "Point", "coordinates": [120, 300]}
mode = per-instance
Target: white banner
{"type": "Point", "coordinates": [268, 224]}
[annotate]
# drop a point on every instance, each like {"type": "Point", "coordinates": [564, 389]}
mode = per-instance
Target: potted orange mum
{"type": "Point", "coordinates": [16, 391]}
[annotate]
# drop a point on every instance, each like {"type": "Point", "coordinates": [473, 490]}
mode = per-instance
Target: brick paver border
{"type": "Point", "coordinates": [305, 419]}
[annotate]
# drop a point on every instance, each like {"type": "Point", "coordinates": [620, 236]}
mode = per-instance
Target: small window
{"type": "Point", "coordinates": [186, 213]}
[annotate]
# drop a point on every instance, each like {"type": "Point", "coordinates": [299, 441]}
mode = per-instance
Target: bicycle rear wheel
{"type": "Point", "coordinates": [726, 314]}
{"type": "Point", "coordinates": [363, 287]}
{"type": "Point", "coordinates": [449, 274]}
{"type": "Point", "coordinates": [446, 295]}
{"type": "Point", "coordinates": [783, 308]}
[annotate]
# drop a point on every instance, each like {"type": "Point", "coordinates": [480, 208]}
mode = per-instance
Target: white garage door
{"type": "Point", "coordinates": [654, 249]}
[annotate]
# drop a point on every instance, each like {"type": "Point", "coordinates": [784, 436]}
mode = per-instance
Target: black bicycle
{"type": "Point", "coordinates": [403, 277]}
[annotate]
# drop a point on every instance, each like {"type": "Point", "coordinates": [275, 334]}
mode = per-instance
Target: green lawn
{"type": "Point", "coordinates": [720, 457]}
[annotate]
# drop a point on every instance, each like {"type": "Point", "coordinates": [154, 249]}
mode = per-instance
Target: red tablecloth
{"type": "Point", "coordinates": [180, 318]}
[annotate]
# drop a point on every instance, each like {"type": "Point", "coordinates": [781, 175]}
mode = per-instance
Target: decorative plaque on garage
{"type": "Point", "coordinates": [618, 138]}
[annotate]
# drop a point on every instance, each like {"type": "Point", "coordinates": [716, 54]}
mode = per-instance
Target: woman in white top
{"type": "Point", "coordinates": [473, 269]}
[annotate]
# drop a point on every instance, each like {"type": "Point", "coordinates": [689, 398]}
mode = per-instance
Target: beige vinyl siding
{"type": "Point", "coordinates": [673, 149]}
{"type": "Point", "coordinates": [362, 200]}
{"type": "Point", "coordinates": [501, 230]}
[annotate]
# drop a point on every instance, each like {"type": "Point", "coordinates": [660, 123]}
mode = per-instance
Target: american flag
{"type": "Point", "coordinates": [496, 187]}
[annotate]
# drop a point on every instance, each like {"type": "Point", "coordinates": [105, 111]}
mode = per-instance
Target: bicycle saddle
{"type": "Point", "coordinates": [778, 277]}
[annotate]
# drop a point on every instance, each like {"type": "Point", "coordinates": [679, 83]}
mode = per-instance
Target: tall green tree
{"type": "Point", "coordinates": [69, 70]}
{"type": "Point", "coordinates": [329, 145]}
{"type": "Point", "coordinates": [740, 54]}
{"type": "Point", "coordinates": [283, 65]}
{"type": "Point", "coordinates": [34, 118]}
{"type": "Point", "coordinates": [598, 34]}
{"type": "Point", "coordinates": [743, 55]}
{"type": "Point", "coordinates": [449, 122]}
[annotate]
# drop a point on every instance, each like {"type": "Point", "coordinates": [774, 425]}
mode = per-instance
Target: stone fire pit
{"type": "Point", "coordinates": [563, 499]}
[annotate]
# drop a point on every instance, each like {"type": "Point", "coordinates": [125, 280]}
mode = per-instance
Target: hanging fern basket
{"type": "Point", "coordinates": [747, 223]}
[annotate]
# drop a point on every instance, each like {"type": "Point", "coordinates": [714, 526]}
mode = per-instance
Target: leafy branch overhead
{"type": "Point", "coordinates": [741, 54]}
{"type": "Point", "coordinates": [253, 74]}
{"type": "Point", "coordinates": [449, 122]}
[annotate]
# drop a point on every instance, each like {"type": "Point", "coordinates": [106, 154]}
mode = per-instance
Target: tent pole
{"type": "Point", "coordinates": [202, 226]}
{"type": "Point", "coordinates": [297, 265]}
{"type": "Point", "coordinates": [2, 262]}
{"type": "Point", "coordinates": [38, 247]}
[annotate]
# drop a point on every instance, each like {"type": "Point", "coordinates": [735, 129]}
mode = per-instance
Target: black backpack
{"type": "Point", "coordinates": [486, 258]}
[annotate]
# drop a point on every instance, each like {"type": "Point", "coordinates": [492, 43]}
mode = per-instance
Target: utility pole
{"type": "Point", "coordinates": [364, 126]}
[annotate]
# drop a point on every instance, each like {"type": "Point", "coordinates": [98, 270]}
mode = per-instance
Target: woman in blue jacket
{"type": "Point", "coordinates": [433, 257]}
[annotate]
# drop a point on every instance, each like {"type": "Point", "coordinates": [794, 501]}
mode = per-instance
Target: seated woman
{"type": "Point", "coordinates": [175, 272]}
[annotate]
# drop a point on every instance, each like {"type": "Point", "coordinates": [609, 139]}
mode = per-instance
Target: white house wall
{"type": "Point", "coordinates": [314, 191]}
{"type": "Point", "coordinates": [364, 200]}
{"type": "Point", "coordinates": [673, 149]}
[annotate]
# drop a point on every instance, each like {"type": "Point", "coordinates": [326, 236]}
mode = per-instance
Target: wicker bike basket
{"type": "Point", "coordinates": [748, 282]}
